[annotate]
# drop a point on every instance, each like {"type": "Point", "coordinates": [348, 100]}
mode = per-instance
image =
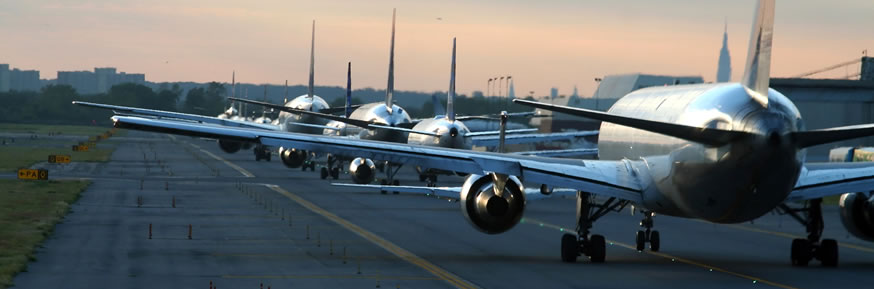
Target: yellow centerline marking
{"type": "Point", "coordinates": [791, 236]}
{"type": "Point", "coordinates": [230, 164]}
{"type": "Point", "coordinates": [408, 256]}
{"type": "Point", "coordinates": [666, 256]}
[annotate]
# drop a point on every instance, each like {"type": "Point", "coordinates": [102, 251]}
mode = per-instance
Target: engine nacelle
{"type": "Point", "coordinates": [488, 212]}
{"type": "Point", "coordinates": [362, 170]}
{"type": "Point", "coordinates": [857, 214]}
{"type": "Point", "coordinates": [292, 158]}
{"type": "Point", "coordinates": [230, 146]}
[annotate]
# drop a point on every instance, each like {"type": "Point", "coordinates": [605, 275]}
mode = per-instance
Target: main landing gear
{"type": "Point", "coordinates": [593, 246]}
{"type": "Point", "coordinates": [648, 235]}
{"type": "Point", "coordinates": [262, 153]}
{"type": "Point", "coordinates": [806, 249]}
{"type": "Point", "coordinates": [332, 169]}
{"type": "Point", "coordinates": [390, 171]}
{"type": "Point", "coordinates": [429, 179]}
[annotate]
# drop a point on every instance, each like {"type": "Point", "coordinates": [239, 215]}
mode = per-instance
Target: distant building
{"type": "Point", "coordinates": [723, 71]}
{"type": "Point", "coordinates": [19, 80]}
{"type": "Point", "coordinates": [867, 73]}
{"type": "Point", "coordinates": [99, 81]}
{"type": "Point", "coordinates": [512, 93]}
{"type": "Point", "coordinates": [553, 93]}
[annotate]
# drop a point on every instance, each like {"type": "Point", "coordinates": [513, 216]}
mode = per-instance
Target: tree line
{"type": "Point", "coordinates": [52, 104]}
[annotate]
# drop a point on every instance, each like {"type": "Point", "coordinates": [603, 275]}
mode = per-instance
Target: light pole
{"type": "Point", "coordinates": [499, 87]}
{"type": "Point", "coordinates": [508, 86]}
{"type": "Point", "coordinates": [495, 82]}
{"type": "Point", "coordinates": [597, 91]}
{"type": "Point", "coordinates": [489, 88]}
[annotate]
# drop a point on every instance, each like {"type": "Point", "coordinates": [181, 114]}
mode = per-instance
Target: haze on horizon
{"type": "Point", "coordinates": [558, 43]}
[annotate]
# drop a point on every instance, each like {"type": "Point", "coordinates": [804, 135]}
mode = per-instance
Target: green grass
{"type": "Point", "coordinates": [29, 211]}
{"type": "Point", "coordinates": [46, 129]}
{"type": "Point", "coordinates": [16, 157]}
{"type": "Point", "coordinates": [25, 151]}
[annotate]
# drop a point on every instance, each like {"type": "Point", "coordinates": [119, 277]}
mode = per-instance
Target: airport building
{"type": "Point", "coordinates": [99, 81]}
{"type": "Point", "coordinates": [18, 80]}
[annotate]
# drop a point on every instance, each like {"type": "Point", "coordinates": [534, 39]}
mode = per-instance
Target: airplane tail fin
{"type": "Point", "coordinates": [438, 107]}
{"type": "Point", "coordinates": [758, 65]}
{"type": "Point", "coordinates": [285, 100]}
{"type": "Point", "coordinates": [348, 110]}
{"type": "Point", "coordinates": [312, 61]}
{"type": "Point", "coordinates": [390, 87]}
{"type": "Point", "coordinates": [450, 99]}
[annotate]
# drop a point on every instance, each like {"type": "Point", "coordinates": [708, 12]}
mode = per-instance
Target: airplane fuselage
{"type": "Point", "coordinates": [729, 184]}
{"type": "Point", "coordinates": [452, 134]}
{"type": "Point", "coordinates": [303, 102]}
{"type": "Point", "coordinates": [377, 113]}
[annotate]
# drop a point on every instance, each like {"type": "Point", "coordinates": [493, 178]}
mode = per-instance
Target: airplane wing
{"type": "Point", "coordinates": [488, 140]}
{"type": "Point", "coordinates": [819, 180]}
{"type": "Point", "coordinates": [565, 153]}
{"type": "Point", "coordinates": [126, 110]}
{"type": "Point", "coordinates": [454, 192]}
{"type": "Point", "coordinates": [607, 178]}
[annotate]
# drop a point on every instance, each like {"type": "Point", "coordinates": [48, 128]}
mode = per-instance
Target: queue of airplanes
{"type": "Point", "coordinates": [718, 152]}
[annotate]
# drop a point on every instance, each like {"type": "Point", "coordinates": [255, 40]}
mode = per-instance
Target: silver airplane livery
{"type": "Point", "coordinates": [723, 153]}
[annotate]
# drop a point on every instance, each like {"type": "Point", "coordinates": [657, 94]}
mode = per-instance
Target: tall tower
{"type": "Point", "coordinates": [723, 72]}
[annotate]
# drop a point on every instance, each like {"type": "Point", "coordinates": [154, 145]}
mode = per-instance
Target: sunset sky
{"type": "Point", "coordinates": [542, 44]}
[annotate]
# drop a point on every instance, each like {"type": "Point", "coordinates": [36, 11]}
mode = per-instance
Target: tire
{"type": "Point", "coordinates": [828, 253]}
{"type": "Point", "coordinates": [312, 167]}
{"type": "Point", "coordinates": [641, 240]}
{"type": "Point", "coordinates": [268, 157]}
{"type": "Point", "coordinates": [383, 182]}
{"type": "Point", "coordinates": [654, 242]}
{"type": "Point", "coordinates": [303, 167]}
{"type": "Point", "coordinates": [598, 249]}
{"type": "Point", "coordinates": [395, 183]}
{"type": "Point", "coordinates": [324, 173]}
{"type": "Point", "coordinates": [570, 248]}
{"type": "Point", "coordinates": [800, 255]}
{"type": "Point", "coordinates": [422, 177]}
{"type": "Point", "coordinates": [335, 173]}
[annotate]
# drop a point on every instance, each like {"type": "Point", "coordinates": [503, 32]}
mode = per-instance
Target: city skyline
{"type": "Point", "coordinates": [554, 44]}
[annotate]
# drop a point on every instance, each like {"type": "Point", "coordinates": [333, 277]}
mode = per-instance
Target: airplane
{"type": "Point", "coordinates": [286, 121]}
{"type": "Point", "coordinates": [718, 152]}
{"type": "Point", "coordinates": [444, 130]}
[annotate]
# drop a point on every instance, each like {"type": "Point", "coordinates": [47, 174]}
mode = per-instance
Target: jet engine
{"type": "Point", "coordinates": [292, 158]}
{"type": "Point", "coordinates": [362, 170]}
{"type": "Point", "coordinates": [230, 146]}
{"type": "Point", "coordinates": [857, 214]}
{"type": "Point", "coordinates": [488, 212]}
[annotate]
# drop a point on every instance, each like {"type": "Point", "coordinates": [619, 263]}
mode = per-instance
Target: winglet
{"type": "Point", "coordinates": [286, 92]}
{"type": "Point", "coordinates": [758, 67]}
{"type": "Point", "coordinates": [389, 90]}
{"type": "Point", "coordinates": [312, 61]}
{"type": "Point", "coordinates": [450, 111]}
{"type": "Point", "coordinates": [348, 110]}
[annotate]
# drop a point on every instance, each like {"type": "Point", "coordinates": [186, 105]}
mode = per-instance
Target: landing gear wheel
{"type": "Point", "coordinates": [312, 167]}
{"type": "Point", "coordinates": [828, 252]}
{"type": "Point", "coordinates": [303, 167]}
{"type": "Point", "coordinates": [395, 183]}
{"type": "Point", "coordinates": [654, 241]}
{"type": "Point", "coordinates": [422, 177]}
{"type": "Point", "coordinates": [335, 173]}
{"type": "Point", "coordinates": [641, 240]}
{"type": "Point", "coordinates": [383, 182]}
{"type": "Point", "coordinates": [268, 156]}
{"type": "Point", "coordinates": [324, 173]}
{"type": "Point", "coordinates": [800, 252]}
{"type": "Point", "coordinates": [570, 248]}
{"type": "Point", "coordinates": [597, 249]}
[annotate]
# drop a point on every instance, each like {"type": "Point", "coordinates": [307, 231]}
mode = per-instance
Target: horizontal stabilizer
{"type": "Point", "coordinates": [280, 107]}
{"type": "Point", "coordinates": [706, 136]}
{"type": "Point", "coordinates": [810, 138]}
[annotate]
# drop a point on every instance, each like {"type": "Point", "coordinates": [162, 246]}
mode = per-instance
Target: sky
{"type": "Point", "coordinates": [541, 44]}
